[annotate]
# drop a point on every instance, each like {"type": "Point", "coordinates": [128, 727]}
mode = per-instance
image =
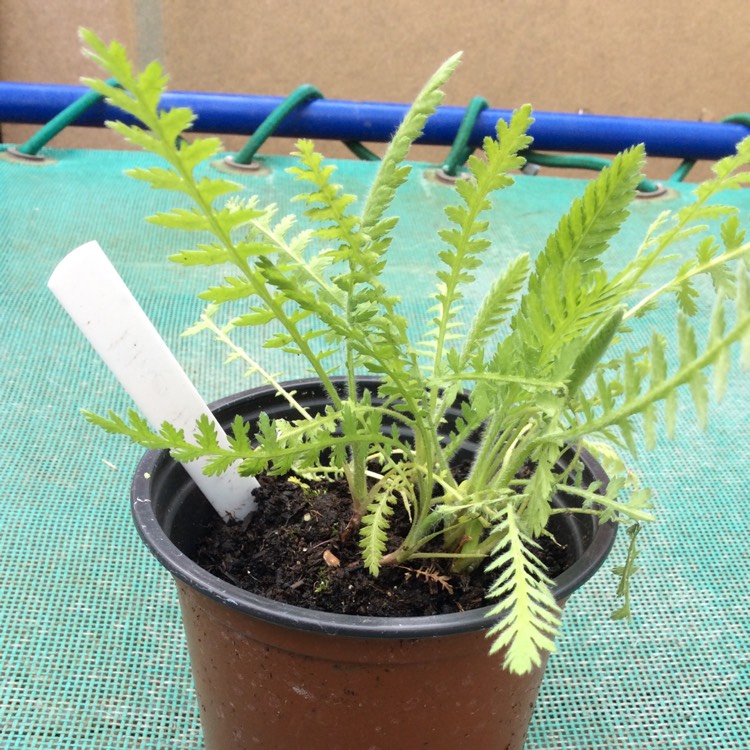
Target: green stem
{"type": "Point", "coordinates": [499, 458]}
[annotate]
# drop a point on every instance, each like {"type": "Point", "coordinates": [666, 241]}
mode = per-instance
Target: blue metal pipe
{"type": "Point", "coordinates": [377, 121]}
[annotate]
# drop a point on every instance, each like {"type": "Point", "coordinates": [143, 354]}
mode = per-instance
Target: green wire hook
{"type": "Point", "coordinates": [461, 150]}
{"type": "Point", "coordinates": [741, 118]}
{"type": "Point", "coordinates": [306, 92]}
{"type": "Point", "coordinates": [594, 163]}
{"type": "Point", "coordinates": [303, 94]}
{"type": "Point", "coordinates": [59, 122]}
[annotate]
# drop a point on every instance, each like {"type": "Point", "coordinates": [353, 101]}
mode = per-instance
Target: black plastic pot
{"type": "Point", "coordinates": [272, 675]}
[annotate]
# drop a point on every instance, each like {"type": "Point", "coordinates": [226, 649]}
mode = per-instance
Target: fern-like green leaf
{"type": "Point", "coordinates": [198, 151]}
{"type": "Point", "coordinates": [691, 372]}
{"type": "Point", "coordinates": [392, 173]}
{"type": "Point", "coordinates": [528, 617]}
{"type": "Point", "coordinates": [721, 274]}
{"type": "Point", "coordinates": [233, 289]}
{"type": "Point", "coordinates": [563, 301]}
{"type": "Point", "coordinates": [593, 350]}
{"type": "Point", "coordinates": [187, 219]}
{"type": "Point", "coordinates": [657, 375]}
{"type": "Point", "coordinates": [495, 307]}
{"type": "Point", "coordinates": [539, 489]}
{"type": "Point", "coordinates": [211, 188]}
{"type": "Point", "coordinates": [136, 429]}
{"type": "Point", "coordinates": [626, 572]}
{"type": "Point", "coordinates": [743, 308]}
{"type": "Point", "coordinates": [732, 234]}
{"type": "Point", "coordinates": [373, 531]}
{"type": "Point", "coordinates": [722, 362]}
{"type": "Point", "coordinates": [112, 57]}
{"type": "Point", "coordinates": [466, 243]}
{"type": "Point", "coordinates": [685, 291]}
{"type": "Point", "coordinates": [688, 352]}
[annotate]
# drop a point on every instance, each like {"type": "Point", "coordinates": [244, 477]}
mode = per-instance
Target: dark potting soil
{"type": "Point", "coordinates": [294, 549]}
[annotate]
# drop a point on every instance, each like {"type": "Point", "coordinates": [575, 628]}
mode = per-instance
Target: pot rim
{"type": "Point", "coordinates": [299, 618]}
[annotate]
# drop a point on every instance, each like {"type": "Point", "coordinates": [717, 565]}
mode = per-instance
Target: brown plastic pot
{"type": "Point", "coordinates": [275, 676]}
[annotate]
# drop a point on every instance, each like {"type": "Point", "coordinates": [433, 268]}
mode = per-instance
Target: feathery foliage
{"type": "Point", "coordinates": [545, 361]}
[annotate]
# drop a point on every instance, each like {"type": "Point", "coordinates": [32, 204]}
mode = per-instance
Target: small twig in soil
{"type": "Point", "coordinates": [430, 576]}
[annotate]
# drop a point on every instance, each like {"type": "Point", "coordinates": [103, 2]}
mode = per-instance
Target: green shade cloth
{"type": "Point", "coordinates": [91, 647]}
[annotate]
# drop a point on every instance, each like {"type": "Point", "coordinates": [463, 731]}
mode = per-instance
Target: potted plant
{"type": "Point", "coordinates": [469, 458]}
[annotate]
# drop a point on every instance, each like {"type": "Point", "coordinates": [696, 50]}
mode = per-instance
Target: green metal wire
{"type": "Point", "coordinates": [300, 95]}
{"type": "Point", "coordinates": [575, 161]}
{"type": "Point", "coordinates": [461, 150]}
{"type": "Point", "coordinates": [459, 153]}
{"type": "Point", "coordinates": [679, 175]}
{"type": "Point", "coordinates": [682, 171]}
{"type": "Point", "coordinates": [71, 113]}
{"type": "Point", "coordinates": [361, 151]}
{"type": "Point", "coordinates": [61, 121]}
{"type": "Point", "coordinates": [739, 118]}
{"type": "Point", "coordinates": [303, 94]}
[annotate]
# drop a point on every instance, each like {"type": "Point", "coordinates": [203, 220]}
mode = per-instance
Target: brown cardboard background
{"type": "Point", "coordinates": [675, 59]}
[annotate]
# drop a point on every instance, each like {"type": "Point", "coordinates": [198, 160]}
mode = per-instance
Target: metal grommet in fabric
{"type": "Point", "coordinates": [449, 179]}
{"type": "Point", "coordinates": [19, 155]}
{"type": "Point", "coordinates": [660, 192]}
{"type": "Point", "coordinates": [229, 165]}
{"type": "Point", "coordinates": [253, 166]}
